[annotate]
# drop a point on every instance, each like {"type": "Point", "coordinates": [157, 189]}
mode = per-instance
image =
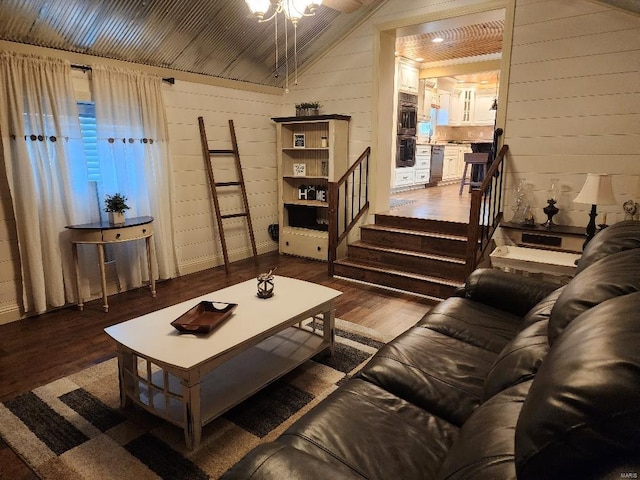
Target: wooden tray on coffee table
{"type": "Point", "coordinates": [204, 317]}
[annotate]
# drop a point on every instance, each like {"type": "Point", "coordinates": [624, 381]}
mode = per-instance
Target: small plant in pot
{"type": "Point", "coordinates": [115, 205]}
{"type": "Point", "coordinates": [307, 109]}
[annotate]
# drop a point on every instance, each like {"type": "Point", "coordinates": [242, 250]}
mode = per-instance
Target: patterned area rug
{"type": "Point", "coordinates": [399, 202]}
{"type": "Point", "coordinates": [73, 428]}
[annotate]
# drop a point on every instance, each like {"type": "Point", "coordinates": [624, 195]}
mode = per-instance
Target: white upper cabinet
{"type": "Point", "coordinates": [471, 107]}
{"type": "Point", "coordinates": [483, 115]}
{"type": "Point", "coordinates": [444, 112]}
{"type": "Point", "coordinates": [408, 78]}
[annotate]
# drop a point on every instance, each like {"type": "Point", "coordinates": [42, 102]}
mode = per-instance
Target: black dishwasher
{"type": "Point", "coordinates": [437, 160]}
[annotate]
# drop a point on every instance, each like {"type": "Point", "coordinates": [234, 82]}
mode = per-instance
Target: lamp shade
{"type": "Point", "coordinates": [258, 7]}
{"type": "Point", "coordinates": [596, 190]}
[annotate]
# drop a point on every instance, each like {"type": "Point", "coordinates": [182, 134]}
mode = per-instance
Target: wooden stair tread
{"type": "Point", "coordinates": [390, 271]}
{"type": "Point", "coordinates": [421, 233]}
{"type": "Point", "coordinates": [411, 253]}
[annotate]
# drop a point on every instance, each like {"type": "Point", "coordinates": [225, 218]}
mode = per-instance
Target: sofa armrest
{"type": "Point", "coordinates": [509, 292]}
{"type": "Point", "coordinates": [275, 461]}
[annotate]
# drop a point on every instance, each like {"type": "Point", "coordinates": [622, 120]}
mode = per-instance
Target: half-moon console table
{"type": "Point", "coordinates": [102, 233]}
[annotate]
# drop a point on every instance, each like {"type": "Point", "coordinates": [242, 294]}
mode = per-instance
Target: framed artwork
{"type": "Point", "coordinates": [298, 140]}
{"type": "Point", "coordinates": [299, 169]}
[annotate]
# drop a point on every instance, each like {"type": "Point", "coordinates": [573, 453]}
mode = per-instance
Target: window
{"type": "Point", "coordinates": [87, 113]}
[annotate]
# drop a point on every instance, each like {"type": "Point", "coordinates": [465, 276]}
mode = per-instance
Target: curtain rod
{"type": "Point", "coordinates": [86, 68]}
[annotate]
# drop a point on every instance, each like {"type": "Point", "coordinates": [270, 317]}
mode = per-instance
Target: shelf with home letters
{"type": "Point", "coordinates": [312, 151]}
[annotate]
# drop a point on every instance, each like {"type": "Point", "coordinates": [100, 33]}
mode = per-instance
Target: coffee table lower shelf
{"type": "Point", "coordinates": [180, 398]}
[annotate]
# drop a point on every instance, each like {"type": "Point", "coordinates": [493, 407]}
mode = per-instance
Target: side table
{"type": "Point", "coordinates": [103, 233]}
{"type": "Point", "coordinates": [557, 267]}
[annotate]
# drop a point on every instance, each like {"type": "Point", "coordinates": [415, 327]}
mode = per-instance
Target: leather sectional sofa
{"type": "Point", "coordinates": [511, 378]}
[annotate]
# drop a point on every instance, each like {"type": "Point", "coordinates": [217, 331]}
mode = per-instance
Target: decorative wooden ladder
{"type": "Point", "coordinates": [208, 154]}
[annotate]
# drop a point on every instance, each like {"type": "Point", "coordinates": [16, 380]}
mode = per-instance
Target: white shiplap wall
{"type": "Point", "coordinates": [574, 102]}
{"type": "Point", "coordinates": [195, 227]}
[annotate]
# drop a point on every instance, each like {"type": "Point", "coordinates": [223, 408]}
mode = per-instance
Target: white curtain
{"type": "Point", "coordinates": [46, 171]}
{"type": "Point", "coordinates": [134, 161]}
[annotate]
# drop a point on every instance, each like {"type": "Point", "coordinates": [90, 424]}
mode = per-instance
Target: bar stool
{"type": "Point", "coordinates": [480, 159]}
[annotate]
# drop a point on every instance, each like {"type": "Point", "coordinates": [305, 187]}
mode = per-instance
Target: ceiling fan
{"type": "Point", "coordinates": [347, 6]}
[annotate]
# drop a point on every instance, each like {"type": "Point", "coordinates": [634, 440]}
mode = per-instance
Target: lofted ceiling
{"type": "Point", "coordinates": [220, 38]}
{"type": "Point", "coordinates": [211, 37]}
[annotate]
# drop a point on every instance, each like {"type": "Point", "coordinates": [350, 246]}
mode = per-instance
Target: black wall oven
{"type": "Point", "coordinates": [407, 114]}
{"type": "Point", "coordinates": [405, 151]}
{"type": "Point", "coordinates": [407, 130]}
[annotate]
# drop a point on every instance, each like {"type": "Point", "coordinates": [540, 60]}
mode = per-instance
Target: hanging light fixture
{"type": "Point", "coordinates": [291, 10]}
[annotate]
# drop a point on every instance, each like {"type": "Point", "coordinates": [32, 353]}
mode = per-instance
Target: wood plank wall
{"type": "Point", "coordinates": [197, 238]}
{"type": "Point", "coordinates": [574, 102]}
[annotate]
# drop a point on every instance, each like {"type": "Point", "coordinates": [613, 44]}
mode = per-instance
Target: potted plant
{"type": "Point", "coordinates": [115, 205]}
{"type": "Point", "coordinates": [307, 109]}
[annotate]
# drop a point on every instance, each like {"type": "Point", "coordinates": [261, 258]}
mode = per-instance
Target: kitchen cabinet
{"type": "Point", "coordinates": [483, 115]}
{"type": "Point", "coordinates": [415, 176]}
{"type": "Point", "coordinates": [423, 164]}
{"type": "Point", "coordinates": [444, 100]}
{"type": "Point", "coordinates": [318, 156]}
{"type": "Point", "coordinates": [453, 166]}
{"type": "Point", "coordinates": [404, 177]}
{"type": "Point", "coordinates": [427, 99]}
{"type": "Point", "coordinates": [408, 78]}
{"type": "Point", "coordinates": [468, 107]}
{"type": "Point", "coordinates": [462, 107]}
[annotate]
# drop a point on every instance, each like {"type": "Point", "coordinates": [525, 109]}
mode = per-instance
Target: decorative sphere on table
{"type": "Point", "coordinates": [265, 285]}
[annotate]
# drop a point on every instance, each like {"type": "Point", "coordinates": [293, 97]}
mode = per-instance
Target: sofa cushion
{"type": "Point", "coordinates": [581, 418]}
{"type": "Point", "coordinates": [484, 449]}
{"type": "Point", "coordinates": [542, 310]}
{"type": "Point", "coordinates": [275, 461]}
{"type": "Point", "coordinates": [438, 373]}
{"type": "Point", "coordinates": [519, 360]}
{"type": "Point", "coordinates": [618, 237]}
{"type": "Point", "coordinates": [615, 275]}
{"type": "Point", "coordinates": [472, 322]}
{"type": "Point", "coordinates": [374, 433]}
{"type": "Point", "coordinates": [505, 291]}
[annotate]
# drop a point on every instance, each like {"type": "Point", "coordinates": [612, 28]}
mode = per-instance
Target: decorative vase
{"type": "Point", "coordinates": [116, 218]}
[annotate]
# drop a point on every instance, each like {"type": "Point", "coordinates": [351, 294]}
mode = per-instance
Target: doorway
{"type": "Point", "coordinates": [456, 63]}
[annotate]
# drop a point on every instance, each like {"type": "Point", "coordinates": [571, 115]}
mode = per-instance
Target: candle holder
{"type": "Point", "coordinates": [265, 285]}
{"type": "Point", "coordinates": [550, 210]}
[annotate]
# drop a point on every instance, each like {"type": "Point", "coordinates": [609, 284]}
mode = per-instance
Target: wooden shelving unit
{"type": "Point", "coordinates": [303, 162]}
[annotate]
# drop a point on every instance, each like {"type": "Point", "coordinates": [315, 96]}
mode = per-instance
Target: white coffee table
{"type": "Point", "coordinates": [190, 379]}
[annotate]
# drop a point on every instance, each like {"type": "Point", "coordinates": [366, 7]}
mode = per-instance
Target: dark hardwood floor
{"type": "Point", "coordinates": [46, 347]}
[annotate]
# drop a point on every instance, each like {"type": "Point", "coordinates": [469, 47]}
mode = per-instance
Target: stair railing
{"type": "Point", "coordinates": [345, 210]}
{"type": "Point", "coordinates": [485, 212]}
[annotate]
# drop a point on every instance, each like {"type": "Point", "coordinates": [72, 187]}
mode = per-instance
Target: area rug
{"type": "Point", "coordinates": [399, 202]}
{"type": "Point", "coordinates": [73, 428]}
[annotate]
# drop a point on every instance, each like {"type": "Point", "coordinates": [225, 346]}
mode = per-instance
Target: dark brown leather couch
{"type": "Point", "coordinates": [511, 378]}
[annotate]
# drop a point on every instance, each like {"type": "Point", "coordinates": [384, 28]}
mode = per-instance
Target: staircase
{"type": "Point", "coordinates": [422, 256]}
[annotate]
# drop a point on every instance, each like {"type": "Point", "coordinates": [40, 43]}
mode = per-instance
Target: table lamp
{"type": "Point", "coordinates": [595, 191]}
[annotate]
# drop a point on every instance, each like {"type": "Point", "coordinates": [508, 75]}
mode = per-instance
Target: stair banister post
{"type": "Point", "coordinates": [474, 228]}
{"type": "Point", "coordinates": [333, 195]}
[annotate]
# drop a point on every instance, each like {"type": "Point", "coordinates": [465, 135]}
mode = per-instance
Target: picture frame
{"type": "Point", "coordinates": [298, 140]}
{"type": "Point", "coordinates": [299, 169]}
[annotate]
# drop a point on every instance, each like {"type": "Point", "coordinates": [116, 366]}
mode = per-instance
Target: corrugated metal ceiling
{"type": "Point", "coordinates": [212, 37]}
